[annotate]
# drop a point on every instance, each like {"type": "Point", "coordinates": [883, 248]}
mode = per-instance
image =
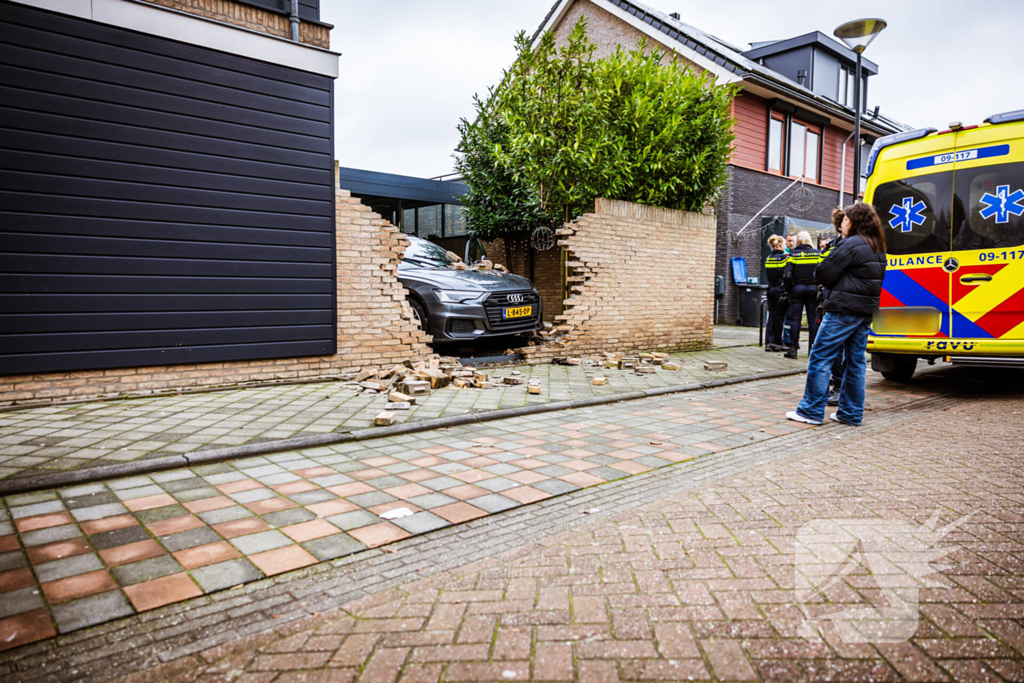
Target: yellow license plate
{"type": "Point", "coordinates": [520, 312]}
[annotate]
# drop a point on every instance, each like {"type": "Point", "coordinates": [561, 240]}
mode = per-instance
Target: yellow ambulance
{"type": "Point", "coordinates": [952, 205]}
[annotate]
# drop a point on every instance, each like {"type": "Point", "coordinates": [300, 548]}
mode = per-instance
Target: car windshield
{"type": "Point", "coordinates": [426, 253]}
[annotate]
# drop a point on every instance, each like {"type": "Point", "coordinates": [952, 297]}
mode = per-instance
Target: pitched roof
{"type": "Point", "coordinates": [721, 58]}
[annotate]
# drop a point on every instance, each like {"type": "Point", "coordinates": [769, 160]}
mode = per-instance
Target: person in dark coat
{"type": "Point", "coordinates": [839, 365]}
{"type": "Point", "coordinates": [777, 303]}
{"type": "Point", "coordinates": [802, 291]}
{"type": "Point", "coordinates": [852, 276]}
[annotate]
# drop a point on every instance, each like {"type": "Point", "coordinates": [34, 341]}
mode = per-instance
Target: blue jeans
{"type": "Point", "coordinates": [839, 333]}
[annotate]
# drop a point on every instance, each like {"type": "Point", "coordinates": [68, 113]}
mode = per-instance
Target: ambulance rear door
{"type": "Point", "coordinates": [987, 290]}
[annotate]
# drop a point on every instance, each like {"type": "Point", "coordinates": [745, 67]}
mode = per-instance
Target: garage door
{"type": "Point", "coordinates": [159, 203]}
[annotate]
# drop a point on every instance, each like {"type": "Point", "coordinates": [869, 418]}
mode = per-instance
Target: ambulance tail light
{"type": "Point", "coordinates": [1006, 117]}
{"type": "Point", "coordinates": [895, 139]}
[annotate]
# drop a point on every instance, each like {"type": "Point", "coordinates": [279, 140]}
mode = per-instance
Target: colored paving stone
{"type": "Point", "coordinates": [112, 431]}
{"type": "Point", "coordinates": [263, 516]}
{"type": "Point", "coordinates": [683, 573]}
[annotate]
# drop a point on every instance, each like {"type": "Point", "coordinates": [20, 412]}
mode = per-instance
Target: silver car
{"type": "Point", "coordinates": [459, 305]}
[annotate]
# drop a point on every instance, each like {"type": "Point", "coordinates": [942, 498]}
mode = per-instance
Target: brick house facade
{"type": "Point", "coordinates": [804, 84]}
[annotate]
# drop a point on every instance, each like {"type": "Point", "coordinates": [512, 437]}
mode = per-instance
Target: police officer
{"type": "Point", "coordinates": [777, 303]}
{"type": "Point", "coordinates": [802, 290]}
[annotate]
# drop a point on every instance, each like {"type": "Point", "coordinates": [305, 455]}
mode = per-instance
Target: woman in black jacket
{"type": "Point", "coordinates": [852, 276]}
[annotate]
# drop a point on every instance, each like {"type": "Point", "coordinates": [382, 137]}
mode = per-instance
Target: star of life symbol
{"type": "Point", "coordinates": [1002, 204]}
{"type": "Point", "coordinates": [907, 215]}
{"type": "Point", "coordinates": [894, 555]}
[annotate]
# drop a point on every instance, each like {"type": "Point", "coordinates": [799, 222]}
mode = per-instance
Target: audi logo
{"type": "Point", "coordinates": [515, 298]}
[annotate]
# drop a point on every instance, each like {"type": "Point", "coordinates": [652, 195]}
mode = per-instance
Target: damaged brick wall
{"type": "Point", "coordinates": [542, 268]}
{"type": "Point", "coordinates": [375, 329]}
{"type": "Point", "coordinates": [640, 278]}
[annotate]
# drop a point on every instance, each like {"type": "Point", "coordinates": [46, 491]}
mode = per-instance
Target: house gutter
{"type": "Point", "coordinates": [761, 79]}
{"type": "Point", "coordinates": [293, 17]}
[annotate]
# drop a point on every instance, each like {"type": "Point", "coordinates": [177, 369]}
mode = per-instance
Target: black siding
{"type": "Point", "coordinates": [159, 203]}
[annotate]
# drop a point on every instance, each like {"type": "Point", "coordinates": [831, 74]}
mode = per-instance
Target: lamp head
{"type": "Point", "coordinates": [859, 33]}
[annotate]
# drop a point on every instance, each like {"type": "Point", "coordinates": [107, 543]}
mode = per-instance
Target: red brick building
{"type": "Point", "coordinates": [794, 119]}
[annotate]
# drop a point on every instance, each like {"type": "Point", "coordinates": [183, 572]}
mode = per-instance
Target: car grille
{"type": "Point", "coordinates": [497, 302]}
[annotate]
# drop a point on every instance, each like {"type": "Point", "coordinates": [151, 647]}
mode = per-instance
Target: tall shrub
{"type": "Point", "coordinates": [564, 128]}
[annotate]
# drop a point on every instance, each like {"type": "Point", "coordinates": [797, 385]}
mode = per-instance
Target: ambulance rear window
{"type": "Point", "coordinates": [915, 213]}
{"type": "Point", "coordinates": [988, 209]}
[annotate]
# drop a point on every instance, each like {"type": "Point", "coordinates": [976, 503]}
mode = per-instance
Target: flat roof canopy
{"type": "Point", "coordinates": [395, 186]}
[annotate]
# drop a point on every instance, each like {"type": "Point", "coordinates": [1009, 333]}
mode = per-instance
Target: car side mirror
{"type": "Point", "coordinates": [474, 251]}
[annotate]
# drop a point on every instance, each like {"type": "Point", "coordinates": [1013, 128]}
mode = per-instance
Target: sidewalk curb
{"type": "Point", "coordinates": [104, 472]}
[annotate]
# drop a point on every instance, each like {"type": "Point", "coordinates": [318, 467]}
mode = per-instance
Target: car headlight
{"type": "Point", "coordinates": [452, 296]}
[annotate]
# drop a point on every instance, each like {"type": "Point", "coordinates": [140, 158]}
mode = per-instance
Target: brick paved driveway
{"type": "Point", "coordinates": [698, 584]}
{"type": "Point", "coordinates": [59, 438]}
{"type": "Point", "coordinates": [86, 555]}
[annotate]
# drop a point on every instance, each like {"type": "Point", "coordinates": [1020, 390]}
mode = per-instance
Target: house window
{"type": "Point", "coordinates": [776, 143]}
{"type": "Point", "coordinates": [845, 87]}
{"type": "Point", "coordinates": [804, 148]}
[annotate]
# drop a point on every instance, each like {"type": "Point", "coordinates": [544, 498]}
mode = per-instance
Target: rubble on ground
{"type": "Point", "coordinates": [640, 363]}
{"type": "Point", "coordinates": [410, 384]}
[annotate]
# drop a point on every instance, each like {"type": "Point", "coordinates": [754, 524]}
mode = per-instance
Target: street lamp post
{"type": "Point", "coordinates": [857, 35]}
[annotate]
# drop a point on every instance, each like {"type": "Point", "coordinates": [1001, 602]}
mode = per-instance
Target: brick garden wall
{"type": "Point", "coordinates": [375, 329]}
{"type": "Point", "coordinates": [640, 277]}
{"type": "Point", "coordinates": [252, 18]}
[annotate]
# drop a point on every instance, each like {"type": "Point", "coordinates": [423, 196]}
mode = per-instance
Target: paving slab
{"type": "Point", "coordinates": [681, 572]}
{"type": "Point", "coordinates": [62, 438]}
{"type": "Point", "coordinates": [157, 549]}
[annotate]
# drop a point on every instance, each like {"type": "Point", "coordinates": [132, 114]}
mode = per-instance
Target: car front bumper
{"type": "Point", "coordinates": [465, 322]}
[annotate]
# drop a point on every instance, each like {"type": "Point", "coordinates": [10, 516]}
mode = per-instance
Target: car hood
{"type": "Point", "coordinates": [466, 280]}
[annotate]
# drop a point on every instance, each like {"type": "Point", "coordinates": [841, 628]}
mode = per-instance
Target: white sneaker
{"type": "Point", "coordinates": [835, 418]}
{"type": "Point", "coordinates": [797, 417]}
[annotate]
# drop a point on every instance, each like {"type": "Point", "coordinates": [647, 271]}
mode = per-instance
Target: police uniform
{"type": "Point", "coordinates": [774, 265]}
{"type": "Point", "coordinates": [802, 289]}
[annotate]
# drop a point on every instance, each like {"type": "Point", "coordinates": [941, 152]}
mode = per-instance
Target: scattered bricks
{"type": "Point", "coordinates": [514, 380]}
{"type": "Point", "coordinates": [600, 381]}
{"type": "Point", "coordinates": [646, 369]}
{"type": "Point", "coordinates": [399, 406]}
{"type": "Point", "coordinates": [671, 366]}
{"type": "Point", "coordinates": [437, 379]}
{"type": "Point", "coordinates": [372, 386]}
{"type": "Point", "coordinates": [610, 364]}
{"type": "Point", "coordinates": [715, 365]}
{"type": "Point", "coordinates": [485, 385]}
{"type": "Point", "coordinates": [385, 418]}
{"type": "Point", "coordinates": [365, 375]}
{"type": "Point", "coordinates": [479, 377]}
{"type": "Point", "coordinates": [399, 397]}
{"type": "Point", "coordinates": [628, 363]}
{"type": "Point", "coordinates": [500, 268]}
{"type": "Point", "coordinates": [454, 257]}
{"type": "Point", "coordinates": [414, 387]}
{"type": "Point", "coordinates": [533, 389]}
{"type": "Point", "coordinates": [459, 266]}
{"type": "Point", "coordinates": [461, 383]}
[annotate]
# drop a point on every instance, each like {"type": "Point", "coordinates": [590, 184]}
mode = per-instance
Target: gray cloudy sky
{"type": "Point", "coordinates": [410, 68]}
